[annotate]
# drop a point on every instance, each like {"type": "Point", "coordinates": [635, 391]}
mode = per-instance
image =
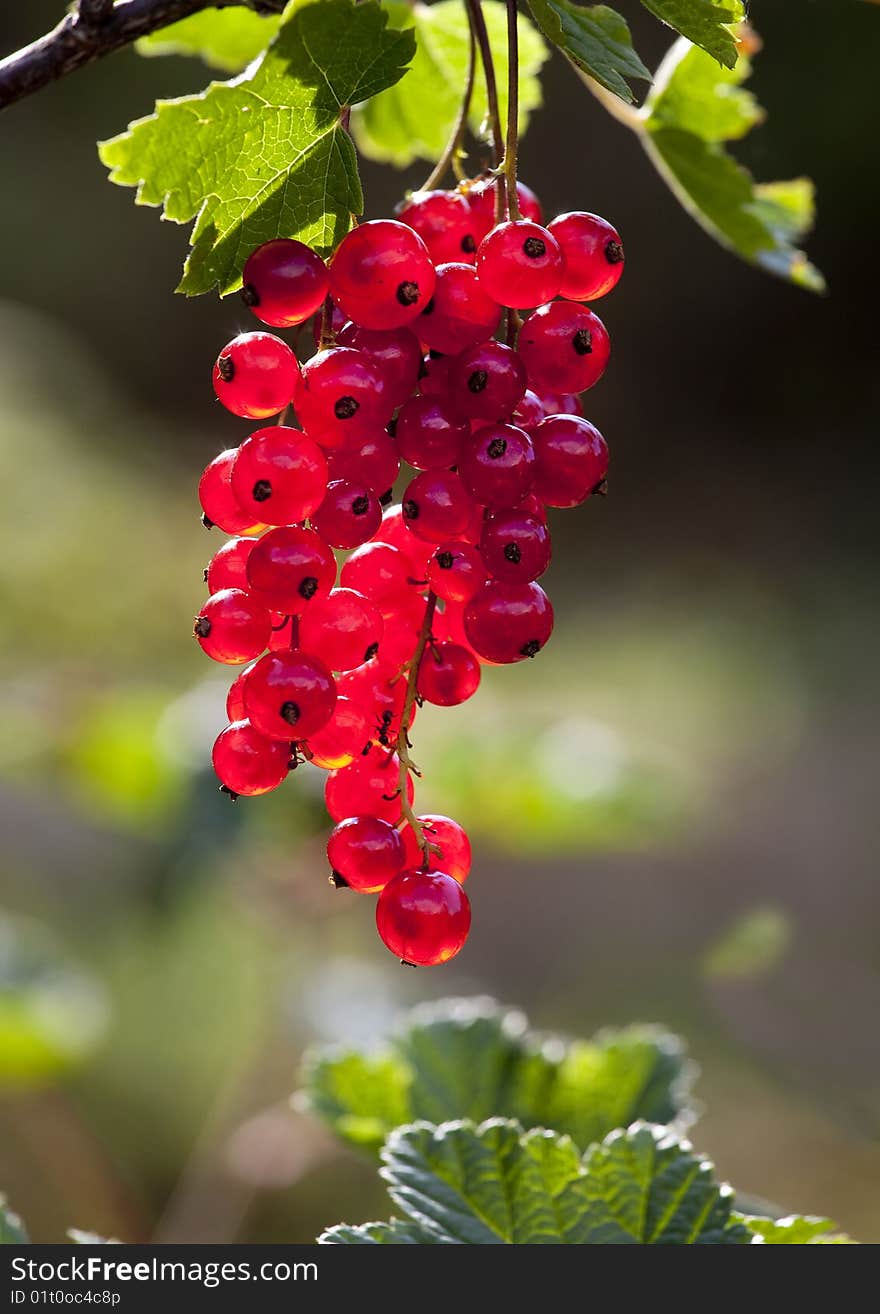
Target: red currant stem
{"type": "Point", "coordinates": [512, 144]}
{"type": "Point", "coordinates": [514, 324]}
{"type": "Point", "coordinates": [478, 24]}
{"type": "Point", "coordinates": [283, 414]}
{"type": "Point", "coordinates": [328, 337]}
{"type": "Point", "coordinates": [452, 152]}
{"type": "Point", "coordinates": [294, 631]}
{"type": "Point", "coordinates": [402, 745]}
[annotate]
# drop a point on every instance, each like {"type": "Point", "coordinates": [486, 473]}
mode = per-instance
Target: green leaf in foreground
{"type": "Point", "coordinates": [495, 1184]}
{"type": "Point", "coordinates": [266, 156]}
{"type": "Point", "coordinates": [704, 22]}
{"type": "Point", "coordinates": [595, 38]}
{"type": "Point", "coordinates": [413, 119]}
{"type": "Point", "coordinates": [692, 110]}
{"type": "Point", "coordinates": [796, 1230]}
{"type": "Point", "coordinates": [12, 1230]}
{"type": "Point", "coordinates": [474, 1059]}
{"type": "Point", "coordinates": [228, 39]}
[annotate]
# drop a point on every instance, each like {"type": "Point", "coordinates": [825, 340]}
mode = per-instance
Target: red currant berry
{"type": "Point", "coordinates": [232, 627]}
{"type": "Point", "coordinates": [401, 634]}
{"type": "Point", "coordinates": [531, 505]}
{"type": "Point", "coordinates": [369, 787]}
{"type": "Point", "coordinates": [246, 762]}
{"type": "Point", "coordinates": [593, 255]}
{"type": "Point", "coordinates": [448, 627]}
{"type": "Point", "coordinates": [487, 381]}
{"type": "Point", "coordinates": [564, 346]}
{"type": "Point", "coordinates": [428, 435]}
{"type": "Point", "coordinates": [571, 460]}
{"type": "Point", "coordinates": [342, 396]}
{"type": "Point", "coordinates": [497, 464]}
{"type": "Point", "coordinates": [219, 504]}
{"type": "Point", "coordinates": [382, 275]}
{"type": "Point", "coordinates": [482, 197]}
{"type": "Point", "coordinates": [434, 378]}
{"type": "Point", "coordinates": [423, 917]}
{"type": "Point", "coordinates": [279, 475]}
{"type": "Point", "coordinates": [372, 461]}
{"type": "Point", "coordinates": [507, 622]}
{"type": "Point", "coordinates": [520, 264]}
{"type": "Point", "coordinates": [289, 695]}
{"type": "Point", "coordinates": [290, 566]}
{"type": "Point", "coordinates": [561, 403]}
{"type": "Point", "coordinates": [449, 837]}
{"type": "Point", "coordinates": [365, 853]}
{"type": "Point", "coordinates": [342, 739]}
{"type": "Point", "coordinates": [284, 282]}
{"type": "Point", "coordinates": [349, 514]}
{"type": "Point", "coordinates": [444, 223]}
{"type": "Point", "coordinates": [393, 530]}
{"type": "Point", "coordinates": [448, 675]}
{"type": "Point", "coordinates": [227, 569]}
{"type": "Point", "coordinates": [255, 375]}
{"type": "Point", "coordinates": [456, 572]}
{"type": "Point", "coordinates": [436, 506]}
{"type": "Point", "coordinates": [460, 312]}
{"type": "Point", "coordinates": [344, 629]}
{"type": "Point", "coordinates": [528, 412]}
{"type": "Point", "coordinates": [235, 698]}
{"type": "Point", "coordinates": [382, 694]}
{"type": "Point", "coordinates": [397, 352]}
{"type": "Point", "coordinates": [515, 546]}
{"type": "Point", "coordinates": [377, 570]}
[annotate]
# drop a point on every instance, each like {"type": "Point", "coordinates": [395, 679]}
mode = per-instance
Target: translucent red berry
{"type": "Point", "coordinates": [487, 381]}
{"type": "Point", "coordinates": [448, 674]}
{"type": "Point", "coordinates": [369, 787]}
{"type": "Point", "coordinates": [561, 403]}
{"type": "Point", "coordinates": [349, 514]}
{"type": "Point", "coordinates": [235, 698]}
{"type": "Point", "coordinates": [497, 464]}
{"type": "Point", "coordinates": [232, 627]}
{"type": "Point", "coordinates": [344, 629]}
{"type": "Point", "coordinates": [481, 198]}
{"type": "Point", "coordinates": [377, 570]}
{"type": "Point", "coordinates": [255, 375]}
{"type": "Point", "coordinates": [428, 434]}
{"type": "Point", "coordinates": [520, 264]}
{"type": "Point", "coordinates": [508, 622]}
{"type": "Point", "coordinates": [448, 627]}
{"type": "Point", "coordinates": [593, 255]}
{"type": "Point", "coordinates": [382, 695]}
{"type": "Point", "coordinates": [246, 762]}
{"type": "Point", "coordinates": [365, 853]}
{"type": "Point", "coordinates": [436, 505]}
{"type": "Point", "coordinates": [456, 572]}
{"type": "Point", "coordinates": [444, 834]}
{"type": "Point", "coordinates": [515, 546]}
{"type": "Point", "coordinates": [289, 567]}
{"type": "Point", "coordinates": [342, 396]}
{"type": "Point", "coordinates": [565, 347]}
{"type": "Point", "coordinates": [571, 460]}
{"type": "Point", "coordinates": [460, 312]}
{"type": "Point", "coordinates": [382, 275]}
{"type": "Point", "coordinates": [284, 282]}
{"type": "Point", "coordinates": [434, 378]}
{"type": "Point", "coordinates": [219, 504]}
{"type": "Point", "coordinates": [279, 475]}
{"type": "Point", "coordinates": [397, 351]}
{"type": "Point", "coordinates": [423, 917]}
{"type": "Point", "coordinates": [444, 221]}
{"type": "Point", "coordinates": [393, 530]}
{"type": "Point", "coordinates": [529, 411]}
{"type": "Point", "coordinates": [227, 569]}
{"type": "Point", "coordinates": [372, 461]}
{"type": "Point", "coordinates": [289, 695]}
{"type": "Point", "coordinates": [342, 739]}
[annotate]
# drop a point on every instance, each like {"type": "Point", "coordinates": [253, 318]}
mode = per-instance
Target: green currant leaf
{"type": "Point", "coordinates": [796, 1230]}
{"type": "Point", "coordinates": [474, 1059]}
{"type": "Point", "coordinates": [12, 1230]}
{"type": "Point", "coordinates": [595, 38]}
{"type": "Point", "coordinates": [394, 1233]}
{"type": "Point", "coordinates": [266, 155]}
{"type": "Point", "coordinates": [413, 119]}
{"type": "Point", "coordinates": [704, 22]}
{"type": "Point", "coordinates": [692, 110]}
{"type": "Point", "coordinates": [228, 39]}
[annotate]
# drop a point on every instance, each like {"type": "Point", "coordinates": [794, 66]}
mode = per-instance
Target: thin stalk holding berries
{"type": "Point", "coordinates": [403, 744]}
{"type": "Point", "coordinates": [451, 157]}
{"type": "Point", "coordinates": [478, 26]}
{"type": "Point", "coordinates": [512, 141]}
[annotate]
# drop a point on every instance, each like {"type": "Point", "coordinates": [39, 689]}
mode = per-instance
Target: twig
{"type": "Point", "coordinates": [449, 158]}
{"type": "Point", "coordinates": [478, 22]}
{"type": "Point", "coordinates": [402, 745]}
{"type": "Point", "coordinates": [512, 143]}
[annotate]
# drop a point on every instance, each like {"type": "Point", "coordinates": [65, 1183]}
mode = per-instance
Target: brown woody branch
{"type": "Point", "coordinates": [94, 29]}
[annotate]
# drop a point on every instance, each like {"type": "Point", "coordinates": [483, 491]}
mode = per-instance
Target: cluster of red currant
{"type": "Point", "coordinates": [408, 369]}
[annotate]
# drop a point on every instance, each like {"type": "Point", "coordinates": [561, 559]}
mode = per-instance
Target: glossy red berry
{"type": "Point", "coordinates": [382, 275]}
{"type": "Point", "coordinates": [423, 917]}
{"type": "Point", "coordinates": [342, 739]}
{"type": "Point", "coordinates": [456, 572]}
{"type": "Point", "coordinates": [529, 411]}
{"type": "Point", "coordinates": [344, 629]}
{"type": "Point", "coordinates": [232, 627]}
{"type": "Point", "coordinates": [434, 378]}
{"type": "Point", "coordinates": [448, 627]}
{"type": "Point", "coordinates": [593, 255]}
{"type": "Point", "coordinates": [508, 622]}
{"type": "Point", "coordinates": [369, 787]}
{"type": "Point", "coordinates": [382, 694]}
{"type": "Point", "coordinates": [444, 221]}
{"type": "Point", "coordinates": [436, 505]}
{"type": "Point", "coordinates": [487, 381]}
{"type": "Point", "coordinates": [377, 570]}
{"type": "Point", "coordinates": [342, 396]}
{"type": "Point", "coordinates": [289, 695]}
{"type": "Point", "coordinates": [289, 567]}
{"type": "Point", "coordinates": [481, 198]}
{"type": "Point", "coordinates": [565, 347]}
{"type": "Point", "coordinates": [227, 569]}
{"type": "Point", "coordinates": [497, 464]}
{"type": "Point", "coordinates": [571, 460]}
{"type": "Point", "coordinates": [255, 375]}
{"type": "Point", "coordinates": [235, 698]}
{"type": "Point", "coordinates": [284, 282]}
{"type": "Point", "coordinates": [219, 504]}
{"type": "Point", "coordinates": [349, 514]}
{"type": "Point", "coordinates": [460, 312]}
{"type": "Point", "coordinates": [393, 530]}
{"type": "Point", "coordinates": [561, 403]}
{"type": "Point", "coordinates": [428, 434]}
{"type": "Point", "coordinates": [246, 762]}
{"type": "Point", "coordinates": [515, 546]}
{"type": "Point", "coordinates": [446, 835]}
{"type": "Point", "coordinates": [448, 675]}
{"type": "Point", "coordinates": [520, 264]}
{"type": "Point", "coordinates": [372, 461]}
{"type": "Point", "coordinates": [279, 475]}
{"type": "Point", "coordinates": [365, 853]}
{"type": "Point", "coordinates": [397, 352]}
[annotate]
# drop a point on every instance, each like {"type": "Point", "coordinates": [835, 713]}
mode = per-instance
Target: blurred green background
{"type": "Point", "coordinates": [674, 810]}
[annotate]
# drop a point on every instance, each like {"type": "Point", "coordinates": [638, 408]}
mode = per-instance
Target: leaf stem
{"type": "Point", "coordinates": [512, 143]}
{"type": "Point", "coordinates": [402, 746]}
{"type": "Point", "coordinates": [478, 25]}
{"type": "Point", "coordinates": [450, 157]}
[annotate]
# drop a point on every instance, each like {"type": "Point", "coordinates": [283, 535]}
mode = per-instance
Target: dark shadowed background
{"type": "Point", "coordinates": [674, 809]}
